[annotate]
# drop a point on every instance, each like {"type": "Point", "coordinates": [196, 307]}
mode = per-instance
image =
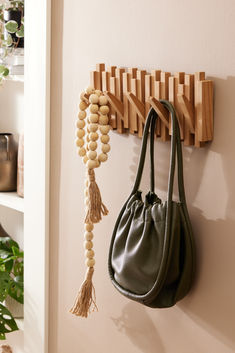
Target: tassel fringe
{"type": "Point", "coordinates": [86, 300]}
{"type": "Point", "coordinates": [95, 206]}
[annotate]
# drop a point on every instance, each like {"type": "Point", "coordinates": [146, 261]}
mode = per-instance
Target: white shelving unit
{"type": "Point", "coordinates": [17, 78]}
{"type": "Point", "coordinates": [12, 200]}
{"type": "Point", "coordinates": [25, 107]}
{"type": "Point", "coordinates": [11, 205]}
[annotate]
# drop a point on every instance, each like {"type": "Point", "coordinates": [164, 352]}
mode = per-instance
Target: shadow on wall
{"type": "Point", "coordinates": [211, 301]}
{"type": "Point", "coordinates": [133, 322]}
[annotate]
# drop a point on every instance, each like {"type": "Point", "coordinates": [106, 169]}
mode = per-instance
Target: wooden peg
{"type": "Point", "coordinates": [179, 79]}
{"type": "Point", "coordinates": [157, 95]}
{"type": "Point", "coordinates": [133, 71]}
{"type": "Point", "coordinates": [164, 92]}
{"type": "Point", "coordinates": [117, 123]}
{"type": "Point", "coordinates": [112, 70]}
{"type": "Point", "coordinates": [115, 102]}
{"type": "Point", "coordinates": [188, 111]}
{"type": "Point", "coordinates": [126, 89]}
{"type": "Point", "coordinates": [119, 74]}
{"type": "Point", "coordinates": [188, 91]}
{"type": "Point", "coordinates": [205, 110]}
{"type": "Point", "coordinates": [198, 76]}
{"type": "Point", "coordinates": [100, 68]}
{"type": "Point", "coordinates": [106, 81]}
{"type": "Point", "coordinates": [156, 74]}
{"type": "Point", "coordinates": [133, 114]}
{"type": "Point", "coordinates": [138, 106]}
{"type": "Point", "coordinates": [141, 96]}
{"type": "Point", "coordinates": [160, 109]}
{"type": "Point", "coordinates": [95, 79]}
{"type": "Point", "coordinates": [148, 91]}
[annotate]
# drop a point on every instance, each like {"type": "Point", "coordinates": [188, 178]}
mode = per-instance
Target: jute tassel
{"type": "Point", "coordinates": [95, 207]}
{"type": "Point", "coordinates": [86, 300]}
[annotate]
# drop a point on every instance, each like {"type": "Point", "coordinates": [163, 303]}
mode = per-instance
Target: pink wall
{"type": "Point", "coordinates": [174, 36]}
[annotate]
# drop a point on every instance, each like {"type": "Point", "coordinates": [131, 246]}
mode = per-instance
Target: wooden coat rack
{"type": "Point", "coordinates": [132, 92]}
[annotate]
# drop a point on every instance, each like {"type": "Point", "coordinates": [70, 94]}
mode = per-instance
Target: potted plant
{"type": "Point", "coordinates": [11, 281]}
{"type": "Point", "coordinates": [11, 34]}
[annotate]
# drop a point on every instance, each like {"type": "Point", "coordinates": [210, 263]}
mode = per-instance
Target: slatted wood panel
{"type": "Point", "coordinates": [131, 92]}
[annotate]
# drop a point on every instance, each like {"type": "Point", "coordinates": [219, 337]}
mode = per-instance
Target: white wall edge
{"type": "Point", "coordinates": [37, 153]}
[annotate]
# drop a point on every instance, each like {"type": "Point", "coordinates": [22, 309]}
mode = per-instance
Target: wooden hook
{"type": "Point", "coordinates": [161, 110]}
{"type": "Point", "coordinates": [188, 111]}
{"type": "Point", "coordinates": [138, 105]}
{"type": "Point", "coordinates": [115, 102]}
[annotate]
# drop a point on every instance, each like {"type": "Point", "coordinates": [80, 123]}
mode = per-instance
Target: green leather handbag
{"type": "Point", "coordinates": [152, 253]}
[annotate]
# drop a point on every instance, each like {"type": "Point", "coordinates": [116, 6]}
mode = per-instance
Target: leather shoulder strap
{"type": "Point", "coordinates": [175, 147]}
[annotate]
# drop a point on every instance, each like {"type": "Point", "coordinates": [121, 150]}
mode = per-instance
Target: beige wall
{"type": "Point", "coordinates": [172, 35]}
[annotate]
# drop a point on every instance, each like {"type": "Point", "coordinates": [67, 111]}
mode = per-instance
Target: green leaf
{"type": "Point", "coordinates": [3, 72]}
{"type": "Point", "coordinates": [20, 32]}
{"type": "Point", "coordinates": [9, 40]}
{"type": "Point", "coordinates": [16, 290]}
{"type": "Point", "coordinates": [11, 26]}
{"type": "Point", "coordinates": [5, 283]}
{"type": "Point", "coordinates": [6, 72]}
{"type": "Point", "coordinates": [7, 322]}
{"type": "Point", "coordinates": [22, 20]}
{"type": "Point", "coordinates": [18, 269]}
{"type": "Point", "coordinates": [6, 243]}
{"type": "Point", "coordinates": [4, 253]}
{"type": "Point", "coordinates": [2, 68]}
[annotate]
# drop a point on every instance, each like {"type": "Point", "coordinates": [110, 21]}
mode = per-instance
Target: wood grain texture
{"type": "Point", "coordinates": [131, 92]}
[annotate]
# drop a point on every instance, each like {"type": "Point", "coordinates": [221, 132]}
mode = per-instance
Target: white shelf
{"type": "Point", "coordinates": [20, 324]}
{"type": "Point", "coordinates": [12, 200]}
{"type": "Point", "coordinates": [17, 78]}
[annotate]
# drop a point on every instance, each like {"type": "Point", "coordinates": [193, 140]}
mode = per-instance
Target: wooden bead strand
{"type": "Point", "coordinates": [87, 133]}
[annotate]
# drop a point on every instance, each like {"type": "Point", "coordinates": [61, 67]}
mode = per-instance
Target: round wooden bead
{"type": "Point", "coordinates": [103, 120]}
{"type": "Point", "coordinates": [93, 136]}
{"type": "Point", "coordinates": [92, 146]}
{"type": "Point", "coordinates": [88, 235]}
{"type": "Point", "coordinates": [82, 151]}
{"type": "Point", "coordinates": [97, 163]}
{"type": "Point", "coordinates": [82, 95]}
{"type": "Point", "coordinates": [94, 108]}
{"type": "Point", "coordinates": [93, 127]}
{"type": "Point", "coordinates": [104, 109]}
{"type": "Point", "coordinates": [105, 148]}
{"type": "Point", "coordinates": [90, 254]}
{"type": "Point", "coordinates": [92, 154]}
{"type": "Point", "coordinates": [88, 244]}
{"type": "Point", "coordinates": [82, 105]}
{"type": "Point", "coordinates": [103, 100]}
{"type": "Point", "coordinates": [85, 159]}
{"type": "Point", "coordinates": [90, 262]}
{"type": "Point", "coordinates": [82, 115]}
{"type": "Point", "coordinates": [79, 142]}
{"type": "Point", "coordinates": [104, 138]}
{"type": "Point", "coordinates": [89, 90]}
{"type": "Point", "coordinates": [98, 92]}
{"type": "Point", "coordinates": [89, 227]}
{"type": "Point", "coordinates": [91, 164]}
{"type": "Point", "coordinates": [80, 124]}
{"type": "Point", "coordinates": [93, 99]}
{"type": "Point", "coordinates": [94, 118]}
{"type": "Point", "coordinates": [104, 129]}
{"type": "Point", "coordinates": [103, 157]}
{"type": "Point", "coordinates": [80, 133]}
